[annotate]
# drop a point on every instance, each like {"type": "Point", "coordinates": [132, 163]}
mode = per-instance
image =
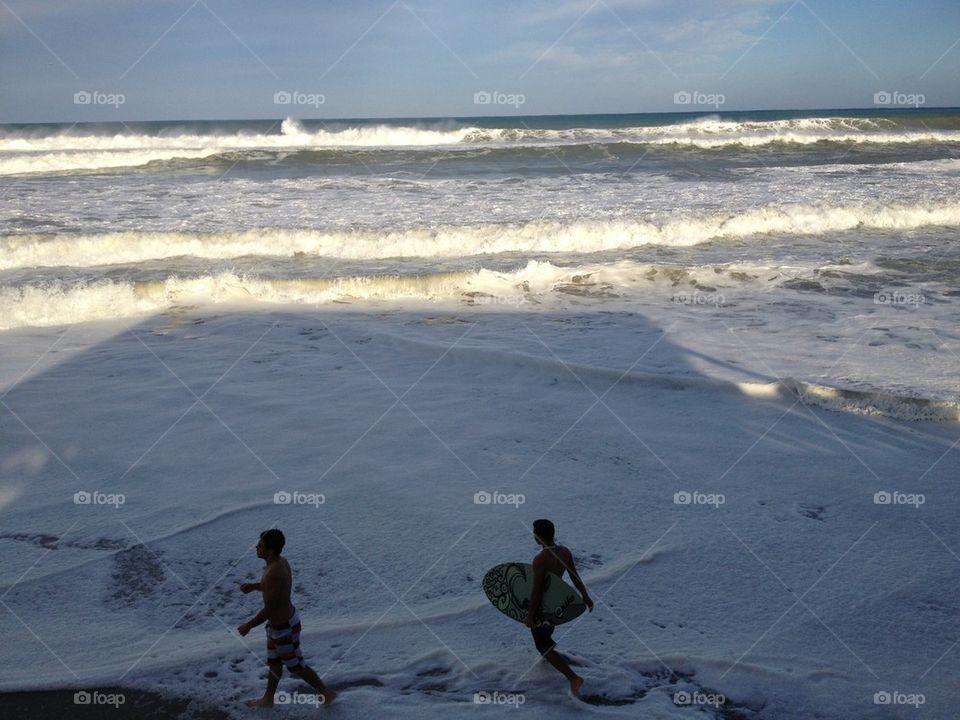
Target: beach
{"type": "Point", "coordinates": [726, 371]}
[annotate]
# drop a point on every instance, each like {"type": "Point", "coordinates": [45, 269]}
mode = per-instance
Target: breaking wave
{"type": "Point", "coordinates": [67, 151]}
{"type": "Point", "coordinates": [468, 240]}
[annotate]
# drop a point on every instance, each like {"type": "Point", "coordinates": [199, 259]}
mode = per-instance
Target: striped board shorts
{"type": "Point", "coordinates": [283, 642]}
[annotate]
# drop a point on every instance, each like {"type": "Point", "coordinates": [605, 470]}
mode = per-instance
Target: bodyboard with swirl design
{"type": "Point", "coordinates": [508, 587]}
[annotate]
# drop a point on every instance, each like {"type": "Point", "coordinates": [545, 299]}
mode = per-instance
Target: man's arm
{"type": "Point", "coordinates": [258, 619]}
{"type": "Point", "coordinates": [272, 599]}
{"type": "Point", "coordinates": [536, 593]}
{"type": "Point", "coordinates": [250, 587]}
{"type": "Point", "coordinates": [578, 583]}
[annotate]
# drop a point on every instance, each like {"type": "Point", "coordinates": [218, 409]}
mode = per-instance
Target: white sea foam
{"type": "Point", "coordinates": [21, 153]}
{"type": "Point", "coordinates": [64, 303]}
{"type": "Point", "coordinates": [69, 151]}
{"type": "Point", "coordinates": [105, 300]}
{"type": "Point", "coordinates": [44, 162]}
{"type": "Point", "coordinates": [73, 151]}
{"type": "Point", "coordinates": [535, 284]}
{"type": "Point", "coordinates": [873, 403]}
{"type": "Point", "coordinates": [525, 288]}
{"type": "Point", "coordinates": [469, 240]}
{"type": "Point", "coordinates": [861, 402]}
{"type": "Point", "coordinates": [292, 135]}
{"type": "Point", "coordinates": [714, 132]}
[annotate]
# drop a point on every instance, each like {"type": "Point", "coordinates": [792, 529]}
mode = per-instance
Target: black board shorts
{"type": "Point", "coordinates": [543, 638]}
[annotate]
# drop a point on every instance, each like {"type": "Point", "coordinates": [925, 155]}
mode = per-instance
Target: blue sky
{"type": "Point", "coordinates": [219, 59]}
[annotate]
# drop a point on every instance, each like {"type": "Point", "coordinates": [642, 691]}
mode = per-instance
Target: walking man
{"type": "Point", "coordinates": [283, 622]}
{"type": "Point", "coordinates": [556, 559]}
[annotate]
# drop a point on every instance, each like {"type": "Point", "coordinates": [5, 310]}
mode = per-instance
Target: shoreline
{"type": "Point", "coordinates": [674, 496]}
{"type": "Point", "coordinates": [55, 704]}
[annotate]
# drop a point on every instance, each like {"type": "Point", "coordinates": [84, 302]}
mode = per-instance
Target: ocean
{"type": "Point", "coordinates": [805, 216]}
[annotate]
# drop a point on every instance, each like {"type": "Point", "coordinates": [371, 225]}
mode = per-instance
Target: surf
{"type": "Point", "coordinates": [459, 241]}
{"type": "Point", "coordinates": [527, 287]}
{"type": "Point", "coordinates": [33, 151]}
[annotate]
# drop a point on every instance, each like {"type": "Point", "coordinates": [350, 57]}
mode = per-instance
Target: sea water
{"type": "Point", "coordinates": [355, 330]}
{"type": "Point", "coordinates": [831, 227]}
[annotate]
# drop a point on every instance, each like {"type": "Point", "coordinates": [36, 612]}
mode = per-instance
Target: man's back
{"type": "Point", "coordinates": [555, 558]}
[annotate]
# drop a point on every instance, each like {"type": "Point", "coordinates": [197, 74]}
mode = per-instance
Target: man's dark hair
{"type": "Point", "coordinates": [273, 539]}
{"type": "Point", "coordinates": [544, 530]}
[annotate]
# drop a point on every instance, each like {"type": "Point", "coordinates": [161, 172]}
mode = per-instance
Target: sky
{"type": "Point", "coordinates": [97, 60]}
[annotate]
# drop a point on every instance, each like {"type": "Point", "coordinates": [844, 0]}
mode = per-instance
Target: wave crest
{"type": "Point", "coordinates": [20, 153]}
{"type": "Point", "coordinates": [468, 240]}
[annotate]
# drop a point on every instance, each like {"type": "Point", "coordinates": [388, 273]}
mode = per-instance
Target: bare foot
{"type": "Point", "coordinates": [260, 703]}
{"type": "Point", "coordinates": [575, 685]}
{"type": "Point", "coordinates": [327, 696]}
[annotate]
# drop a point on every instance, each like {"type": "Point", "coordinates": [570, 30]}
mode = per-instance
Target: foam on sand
{"type": "Point", "coordinates": [148, 591]}
{"type": "Point", "coordinates": [522, 289]}
{"type": "Point", "coordinates": [781, 389]}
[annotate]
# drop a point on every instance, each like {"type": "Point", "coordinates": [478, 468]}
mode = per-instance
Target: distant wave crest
{"type": "Point", "coordinates": [68, 151]}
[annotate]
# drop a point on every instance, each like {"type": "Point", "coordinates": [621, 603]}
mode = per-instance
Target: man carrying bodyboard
{"type": "Point", "coordinates": [283, 622]}
{"type": "Point", "coordinates": [556, 559]}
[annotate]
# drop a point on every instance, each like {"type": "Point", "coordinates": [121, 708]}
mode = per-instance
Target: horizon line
{"type": "Point", "coordinates": [700, 113]}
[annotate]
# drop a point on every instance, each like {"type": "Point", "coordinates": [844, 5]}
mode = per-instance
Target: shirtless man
{"type": "Point", "coordinates": [556, 559]}
{"type": "Point", "coordinates": [283, 622]}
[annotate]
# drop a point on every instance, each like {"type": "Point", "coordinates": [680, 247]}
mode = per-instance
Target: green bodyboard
{"type": "Point", "coordinates": [508, 587]}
